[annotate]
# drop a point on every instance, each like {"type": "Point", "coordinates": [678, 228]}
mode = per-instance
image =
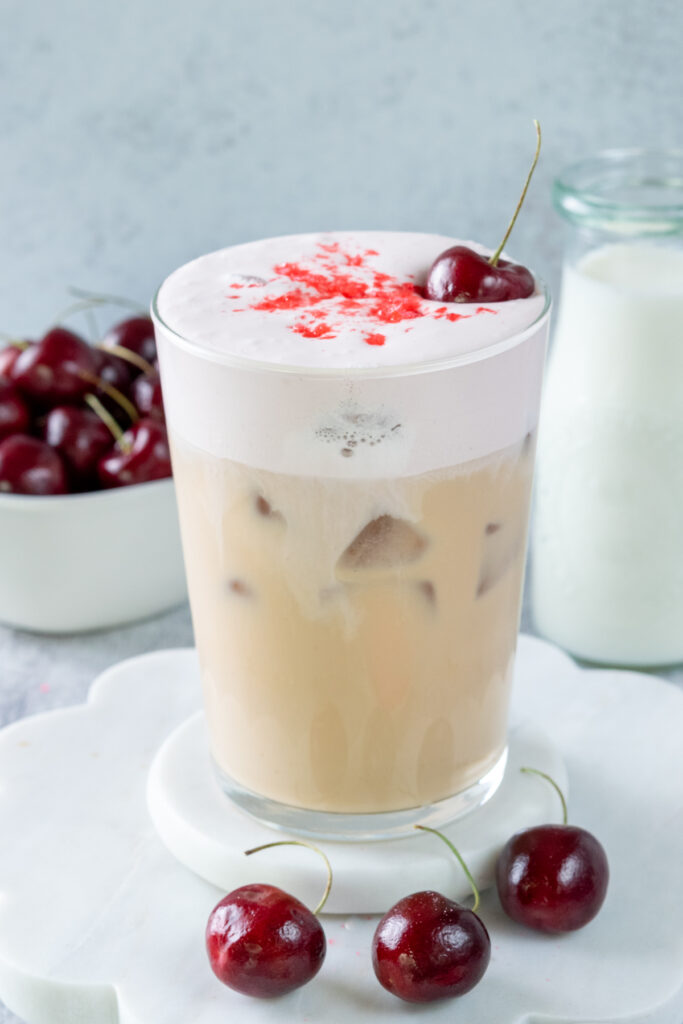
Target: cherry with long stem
{"type": "Point", "coordinates": [460, 274]}
{"type": "Point", "coordinates": [429, 947]}
{"type": "Point", "coordinates": [263, 942]}
{"type": "Point", "coordinates": [552, 878]}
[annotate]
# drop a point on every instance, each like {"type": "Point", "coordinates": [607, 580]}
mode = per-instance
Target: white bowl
{"type": "Point", "coordinates": [77, 562]}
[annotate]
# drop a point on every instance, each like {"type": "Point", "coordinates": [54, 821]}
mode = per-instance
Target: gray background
{"type": "Point", "coordinates": [135, 135]}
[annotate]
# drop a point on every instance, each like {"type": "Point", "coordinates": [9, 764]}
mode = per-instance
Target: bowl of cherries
{"type": "Point", "coordinates": [88, 519]}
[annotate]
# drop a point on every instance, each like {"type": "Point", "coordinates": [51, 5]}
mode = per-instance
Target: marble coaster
{"type": "Point", "coordinates": [100, 923]}
{"type": "Point", "coordinates": [208, 834]}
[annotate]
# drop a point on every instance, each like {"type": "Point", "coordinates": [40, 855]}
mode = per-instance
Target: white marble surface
{"type": "Point", "coordinates": [108, 876]}
{"type": "Point", "coordinates": [38, 673]}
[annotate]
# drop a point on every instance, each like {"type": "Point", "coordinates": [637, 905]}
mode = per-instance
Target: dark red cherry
{"type": "Point", "coordinates": [113, 370]}
{"type": "Point", "coordinates": [81, 438]}
{"type": "Point", "coordinates": [141, 455]}
{"type": "Point", "coordinates": [9, 356]}
{"type": "Point", "coordinates": [462, 275]}
{"type": "Point", "coordinates": [57, 369]}
{"type": "Point", "coordinates": [552, 877]}
{"type": "Point", "coordinates": [15, 415]}
{"type": "Point", "coordinates": [427, 947]}
{"type": "Point", "coordinates": [136, 334]}
{"type": "Point", "coordinates": [263, 942]}
{"type": "Point", "coordinates": [146, 392]}
{"type": "Point", "coordinates": [29, 466]}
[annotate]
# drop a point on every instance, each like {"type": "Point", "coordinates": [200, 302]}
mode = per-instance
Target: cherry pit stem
{"type": "Point", "coordinates": [496, 256]}
{"type": "Point", "coordinates": [93, 299]}
{"type": "Point", "coordinates": [449, 844]}
{"type": "Point", "coordinates": [113, 393]}
{"type": "Point", "coordinates": [307, 846]}
{"type": "Point", "coordinates": [130, 357]}
{"type": "Point", "coordinates": [11, 340]}
{"type": "Point", "coordinates": [106, 417]}
{"type": "Point", "coordinates": [535, 771]}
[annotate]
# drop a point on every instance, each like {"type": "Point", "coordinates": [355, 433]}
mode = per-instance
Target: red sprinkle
{"type": "Point", "coordinates": [385, 300]}
{"type": "Point", "coordinates": [313, 330]}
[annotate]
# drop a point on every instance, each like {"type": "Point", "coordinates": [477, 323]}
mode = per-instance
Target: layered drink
{"type": "Point", "coordinates": [353, 465]}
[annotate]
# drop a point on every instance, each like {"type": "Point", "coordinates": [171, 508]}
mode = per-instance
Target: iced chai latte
{"type": "Point", "coordinates": [353, 465]}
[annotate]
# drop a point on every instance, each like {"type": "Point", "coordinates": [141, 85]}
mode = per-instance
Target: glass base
{"type": "Point", "coordinates": [354, 828]}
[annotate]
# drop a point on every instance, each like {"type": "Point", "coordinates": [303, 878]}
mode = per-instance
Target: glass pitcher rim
{"type": "Point", "coordinates": [587, 191]}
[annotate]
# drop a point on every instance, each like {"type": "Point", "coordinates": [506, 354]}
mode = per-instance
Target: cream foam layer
{"type": "Point", "coordinates": [337, 300]}
{"type": "Point", "coordinates": [226, 392]}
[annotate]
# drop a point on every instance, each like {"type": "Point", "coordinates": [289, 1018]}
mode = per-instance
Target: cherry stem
{"type": "Point", "coordinates": [307, 846]}
{"type": "Point", "coordinates": [496, 256]}
{"type": "Point", "coordinates": [14, 342]}
{"type": "Point", "coordinates": [449, 844]}
{"type": "Point", "coordinates": [106, 417]}
{"type": "Point", "coordinates": [535, 771]}
{"type": "Point", "coordinates": [82, 306]}
{"type": "Point", "coordinates": [130, 357]}
{"type": "Point", "coordinates": [92, 325]}
{"type": "Point", "coordinates": [113, 393]}
{"type": "Point", "coordinates": [106, 300]}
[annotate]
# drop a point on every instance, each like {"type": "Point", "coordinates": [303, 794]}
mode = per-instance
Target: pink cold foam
{"type": "Point", "coordinates": [341, 300]}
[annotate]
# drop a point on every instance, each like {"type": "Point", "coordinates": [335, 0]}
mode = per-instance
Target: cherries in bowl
{"type": "Point", "coordinates": [79, 551]}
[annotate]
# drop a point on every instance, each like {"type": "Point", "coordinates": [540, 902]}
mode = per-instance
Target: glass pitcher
{"type": "Point", "coordinates": [607, 568]}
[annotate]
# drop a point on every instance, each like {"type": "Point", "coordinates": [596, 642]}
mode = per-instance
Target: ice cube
{"type": "Point", "coordinates": [500, 550]}
{"type": "Point", "coordinates": [384, 543]}
{"type": "Point", "coordinates": [265, 509]}
{"type": "Point", "coordinates": [427, 590]}
{"type": "Point", "coordinates": [239, 588]}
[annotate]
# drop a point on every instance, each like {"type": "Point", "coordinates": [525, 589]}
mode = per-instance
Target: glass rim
{"type": "Point", "coordinates": [356, 372]}
{"type": "Point", "coordinates": [578, 190]}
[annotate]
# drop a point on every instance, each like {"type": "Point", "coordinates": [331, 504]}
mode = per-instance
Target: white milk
{"type": "Point", "coordinates": [608, 535]}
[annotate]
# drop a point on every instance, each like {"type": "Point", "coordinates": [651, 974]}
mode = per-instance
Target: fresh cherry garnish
{"type": "Point", "coordinates": [263, 942]}
{"type": "Point", "coordinates": [29, 466]}
{"type": "Point", "coordinates": [462, 275]}
{"type": "Point", "coordinates": [146, 392]}
{"type": "Point", "coordinates": [428, 947]}
{"type": "Point", "coordinates": [9, 356]}
{"type": "Point", "coordinates": [135, 334]}
{"type": "Point", "coordinates": [15, 415]}
{"type": "Point", "coordinates": [552, 877]}
{"type": "Point", "coordinates": [81, 438]}
{"type": "Point", "coordinates": [140, 455]}
{"type": "Point", "coordinates": [59, 368]}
